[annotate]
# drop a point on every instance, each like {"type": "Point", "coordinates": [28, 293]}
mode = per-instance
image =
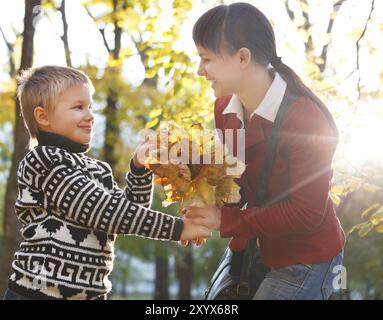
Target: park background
{"type": "Point", "coordinates": [141, 58]}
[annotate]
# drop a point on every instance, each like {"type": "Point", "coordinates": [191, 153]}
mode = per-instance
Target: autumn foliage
{"type": "Point", "coordinates": [193, 166]}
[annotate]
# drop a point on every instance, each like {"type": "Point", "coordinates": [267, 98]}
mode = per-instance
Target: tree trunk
{"type": "Point", "coordinates": [112, 129]}
{"type": "Point", "coordinates": [184, 271]}
{"type": "Point", "coordinates": [11, 225]}
{"type": "Point", "coordinates": [161, 290]}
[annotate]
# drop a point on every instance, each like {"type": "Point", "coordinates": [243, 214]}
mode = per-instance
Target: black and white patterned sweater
{"type": "Point", "coordinates": [71, 210]}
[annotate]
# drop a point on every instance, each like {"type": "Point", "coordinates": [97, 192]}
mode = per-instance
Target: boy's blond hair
{"type": "Point", "coordinates": [41, 87]}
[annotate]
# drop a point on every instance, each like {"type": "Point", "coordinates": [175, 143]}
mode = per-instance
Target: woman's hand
{"type": "Point", "coordinates": [193, 230]}
{"type": "Point", "coordinates": [209, 216]}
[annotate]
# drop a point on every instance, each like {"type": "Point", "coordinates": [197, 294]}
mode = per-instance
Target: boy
{"type": "Point", "coordinates": [68, 204]}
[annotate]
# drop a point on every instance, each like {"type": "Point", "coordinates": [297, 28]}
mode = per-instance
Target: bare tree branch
{"type": "Point", "coordinates": [117, 30]}
{"type": "Point", "coordinates": [358, 46]}
{"type": "Point", "coordinates": [7, 43]}
{"type": "Point", "coordinates": [336, 6]}
{"type": "Point", "coordinates": [306, 25]}
{"type": "Point", "coordinates": [309, 46]}
{"type": "Point", "coordinates": [289, 11]}
{"type": "Point", "coordinates": [10, 47]}
{"type": "Point", "coordinates": [102, 30]}
{"type": "Point", "coordinates": [357, 68]}
{"type": "Point", "coordinates": [108, 48]}
{"type": "Point", "coordinates": [64, 36]}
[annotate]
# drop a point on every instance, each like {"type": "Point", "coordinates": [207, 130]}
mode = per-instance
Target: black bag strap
{"type": "Point", "coordinates": [261, 191]}
{"type": "Point", "coordinates": [243, 287]}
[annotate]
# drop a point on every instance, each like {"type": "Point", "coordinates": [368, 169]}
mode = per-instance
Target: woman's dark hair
{"type": "Point", "coordinates": [240, 25]}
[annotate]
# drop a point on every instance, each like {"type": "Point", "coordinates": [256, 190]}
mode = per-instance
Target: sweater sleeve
{"type": "Point", "coordinates": [69, 193]}
{"type": "Point", "coordinates": [310, 148]}
{"type": "Point", "coordinates": [139, 185]}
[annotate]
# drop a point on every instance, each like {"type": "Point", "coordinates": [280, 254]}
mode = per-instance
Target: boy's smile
{"type": "Point", "coordinates": [72, 116]}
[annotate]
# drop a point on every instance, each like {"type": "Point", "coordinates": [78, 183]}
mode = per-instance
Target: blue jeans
{"type": "Point", "coordinates": [11, 295]}
{"type": "Point", "coordinates": [300, 281]}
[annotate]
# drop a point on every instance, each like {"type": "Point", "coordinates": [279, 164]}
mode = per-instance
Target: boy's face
{"type": "Point", "coordinates": [72, 116]}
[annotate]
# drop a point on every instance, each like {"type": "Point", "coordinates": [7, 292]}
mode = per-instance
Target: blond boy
{"type": "Point", "coordinates": [69, 206]}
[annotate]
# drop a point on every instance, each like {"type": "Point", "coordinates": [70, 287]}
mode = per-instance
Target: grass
{"type": "Point", "coordinates": [133, 296]}
{"type": "Point", "coordinates": [2, 194]}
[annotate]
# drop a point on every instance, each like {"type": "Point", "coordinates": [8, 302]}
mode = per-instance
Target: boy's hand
{"type": "Point", "coordinates": [197, 242]}
{"type": "Point", "coordinates": [145, 150]}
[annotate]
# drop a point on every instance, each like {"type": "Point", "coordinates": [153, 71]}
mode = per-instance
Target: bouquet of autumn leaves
{"type": "Point", "coordinates": [194, 167]}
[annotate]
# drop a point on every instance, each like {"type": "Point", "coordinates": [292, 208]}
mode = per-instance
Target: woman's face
{"type": "Point", "coordinates": [223, 71]}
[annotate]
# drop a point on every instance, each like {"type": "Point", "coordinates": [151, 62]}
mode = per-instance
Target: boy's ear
{"type": "Point", "coordinates": [244, 56]}
{"type": "Point", "coordinates": [41, 116]}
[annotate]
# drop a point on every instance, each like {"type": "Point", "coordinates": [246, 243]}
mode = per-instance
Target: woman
{"type": "Point", "coordinates": [299, 236]}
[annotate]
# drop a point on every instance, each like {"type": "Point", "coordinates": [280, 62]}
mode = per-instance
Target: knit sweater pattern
{"type": "Point", "coordinates": [71, 210]}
